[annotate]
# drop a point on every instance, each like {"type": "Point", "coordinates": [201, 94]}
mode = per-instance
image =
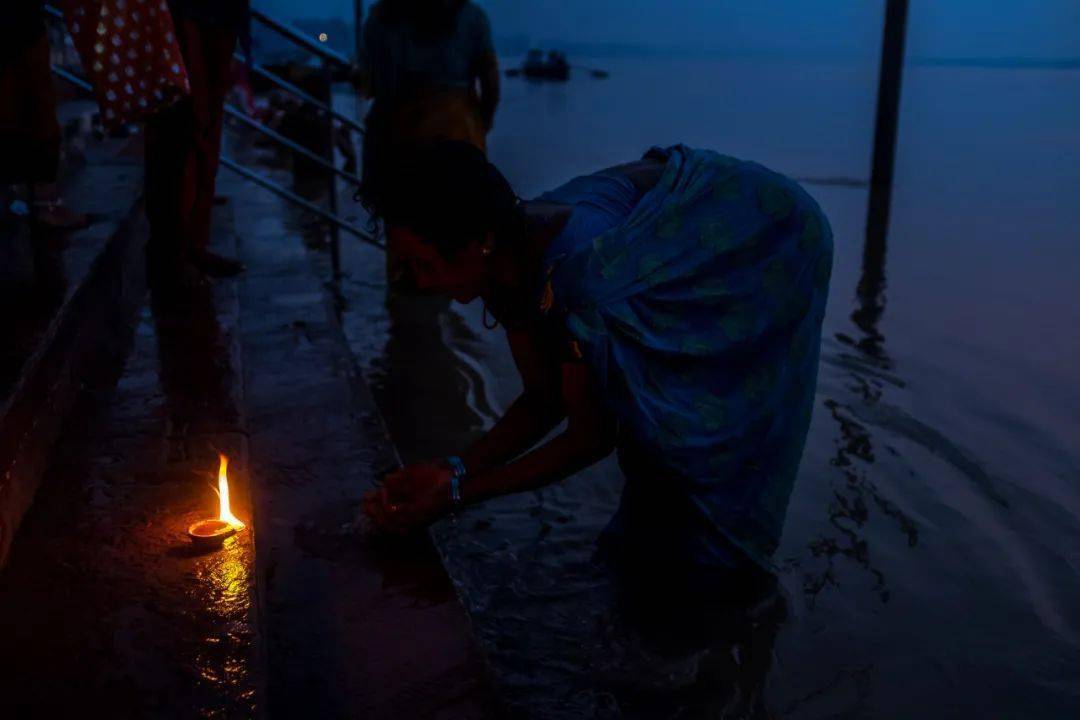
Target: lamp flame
{"type": "Point", "coordinates": [225, 514]}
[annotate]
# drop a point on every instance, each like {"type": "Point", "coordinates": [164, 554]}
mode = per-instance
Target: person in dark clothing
{"type": "Point", "coordinates": [429, 67]}
{"type": "Point", "coordinates": [183, 143]}
{"type": "Point", "coordinates": [29, 132]}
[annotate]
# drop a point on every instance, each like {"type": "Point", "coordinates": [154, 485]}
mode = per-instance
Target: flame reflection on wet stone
{"type": "Point", "coordinates": [226, 577]}
{"type": "Point", "coordinates": [224, 586]}
{"type": "Point", "coordinates": [114, 603]}
{"type": "Point", "coordinates": [198, 374]}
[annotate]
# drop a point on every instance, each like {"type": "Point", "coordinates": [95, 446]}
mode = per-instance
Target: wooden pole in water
{"type": "Point", "coordinates": [888, 109]}
{"type": "Point", "coordinates": [871, 289]}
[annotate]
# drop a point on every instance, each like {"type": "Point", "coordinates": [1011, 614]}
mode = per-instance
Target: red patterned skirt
{"type": "Point", "coordinates": [130, 53]}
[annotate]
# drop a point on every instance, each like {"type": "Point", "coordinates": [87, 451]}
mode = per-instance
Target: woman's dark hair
{"type": "Point", "coordinates": [431, 18]}
{"type": "Point", "coordinates": [448, 194]}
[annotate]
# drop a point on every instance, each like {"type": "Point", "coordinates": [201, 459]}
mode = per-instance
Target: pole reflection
{"type": "Point", "coordinates": [856, 495]}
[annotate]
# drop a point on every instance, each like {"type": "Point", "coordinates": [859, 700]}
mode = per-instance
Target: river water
{"type": "Point", "coordinates": [931, 552]}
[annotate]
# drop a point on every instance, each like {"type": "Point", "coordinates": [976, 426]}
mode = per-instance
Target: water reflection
{"type": "Point", "coordinates": [868, 371]}
{"type": "Point", "coordinates": [224, 584]}
{"type": "Point", "coordinates": [425, 390]}
{"type": "Point", "coordinates": [870, 292]}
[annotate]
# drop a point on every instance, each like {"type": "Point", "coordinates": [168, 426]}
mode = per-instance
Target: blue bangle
{"type": "Point", "coordinates": [457, 466]}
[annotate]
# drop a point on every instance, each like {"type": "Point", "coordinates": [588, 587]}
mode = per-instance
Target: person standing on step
{"type": "Point", "coordinates": [183, 144]}
{"type": "Point", "coordinates": [29, 131]}
{"type": "Point", "coordinates": [429, 67]}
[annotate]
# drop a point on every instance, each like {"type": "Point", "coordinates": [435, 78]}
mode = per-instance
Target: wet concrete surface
{"type": "Point", "coordinates": [353, 628]}
{"type": "Point", "coordinates": [65, 298]}
{"type": "Point", "coordinates": [105, 607]}
{"type": "Point", "coordinates": [41, 269]}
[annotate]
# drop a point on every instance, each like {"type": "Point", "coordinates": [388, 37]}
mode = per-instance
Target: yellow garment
{"type": "Point", "coordinates": [430, 117]}
{"type": "Point", "coordinates": [436, 115]}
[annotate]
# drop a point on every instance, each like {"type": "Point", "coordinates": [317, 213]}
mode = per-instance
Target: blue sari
{"type": "Point", "coordinates": [699, 310]}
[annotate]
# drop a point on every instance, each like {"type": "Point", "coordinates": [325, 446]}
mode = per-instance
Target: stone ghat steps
{"type": "Point", "coordinates": [67, 301]}
{"type": "Point", "coordinates": [351, 628]}
{"type": "Point", "coordinates": [105, 605]}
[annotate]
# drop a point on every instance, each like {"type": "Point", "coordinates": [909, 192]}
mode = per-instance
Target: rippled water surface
{"type": "Point", "coordinates": [931, 552]}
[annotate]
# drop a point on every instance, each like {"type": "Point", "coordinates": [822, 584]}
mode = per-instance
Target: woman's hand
{"type": "Point", "coordinates": [411, 498]}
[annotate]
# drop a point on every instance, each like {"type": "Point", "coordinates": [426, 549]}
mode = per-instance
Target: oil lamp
{"type": "Point", "coordinates": [212, 533]}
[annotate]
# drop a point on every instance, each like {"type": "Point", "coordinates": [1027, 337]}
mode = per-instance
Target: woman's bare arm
{"type": "Point", "coordinates": [417, 495]}
{"type": "Point", "coordinates": [589, 436]}
{"type": "Point", "coordinates": [532, 416]}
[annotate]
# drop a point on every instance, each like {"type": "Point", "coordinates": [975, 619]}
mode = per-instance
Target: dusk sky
{"type": "Point", "coordinates": [1035, 29]}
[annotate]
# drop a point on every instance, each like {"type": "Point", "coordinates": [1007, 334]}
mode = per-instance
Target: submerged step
{"type": "Point", "coordinates": [351, 629]}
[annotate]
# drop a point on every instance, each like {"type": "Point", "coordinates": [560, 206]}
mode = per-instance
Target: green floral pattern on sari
{"type": "Point", "coordinates": [701, 315]}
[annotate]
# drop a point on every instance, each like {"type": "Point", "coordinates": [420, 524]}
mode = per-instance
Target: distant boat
{"type": "Point", "coordinates": [552, 67]}
{"type": "Point", "coordinates": [538, 67]}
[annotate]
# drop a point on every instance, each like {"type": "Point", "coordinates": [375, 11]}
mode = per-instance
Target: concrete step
{"type": "Point", "coordinates": [351, 629]}
{"type": "Point", "coordinates": [104, 604]}
{"type": "Point", "coordinates": [106, 609]}
{"type": "Point", "coordinates": [66, 301]}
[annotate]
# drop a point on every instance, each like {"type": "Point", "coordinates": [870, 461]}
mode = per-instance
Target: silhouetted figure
{"type": "Point", "coordinates": [29, 132]}
{"type": "Point", "coordinates": [430, 68]}
{"type": "Point", "coordinates": [183, 145]}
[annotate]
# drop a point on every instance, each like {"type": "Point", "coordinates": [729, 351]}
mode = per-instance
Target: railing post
{"type": "Point", "coordinates": [331, 145]}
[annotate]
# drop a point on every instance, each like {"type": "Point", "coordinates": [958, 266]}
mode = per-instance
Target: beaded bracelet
{"type": "Point", "coordinates": [457, 466]}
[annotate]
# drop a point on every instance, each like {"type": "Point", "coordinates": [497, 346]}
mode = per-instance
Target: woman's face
{"type": "Point", "coordinates": [463, 278]}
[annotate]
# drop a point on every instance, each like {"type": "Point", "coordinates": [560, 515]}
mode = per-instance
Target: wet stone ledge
{"type": "Point", "coordinates": [68, 301]}
{"type": "Point", "coordinates": [106, 607]}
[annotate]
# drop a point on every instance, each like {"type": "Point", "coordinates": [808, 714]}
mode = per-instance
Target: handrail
{"type": "Point", "coordinates": [255, 177]}
{"type": "Point", "coordinates": [287, 31]}
{"type": "Point", "coordinates": [273, 77]}
{"type": "Point", "coordinates": [302, 202]}
{"type": "Point", "coordinates": [299, 38]}
{"type": "Point", "coordinates": [329, 58]}
{"type": "Point", "coordinates": [72, 78]}
{"type": "Point", "coordinates": [244, 119]}
{"type": "Point", "coordinates": [263, 71]}
{"type": "Point", "coordinates": [291, 144]}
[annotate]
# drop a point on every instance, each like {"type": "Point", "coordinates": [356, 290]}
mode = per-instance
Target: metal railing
{"type": "Point", "coordinates": [330, 62]}
{"type": "Point", "coordinates": [267, 74]}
